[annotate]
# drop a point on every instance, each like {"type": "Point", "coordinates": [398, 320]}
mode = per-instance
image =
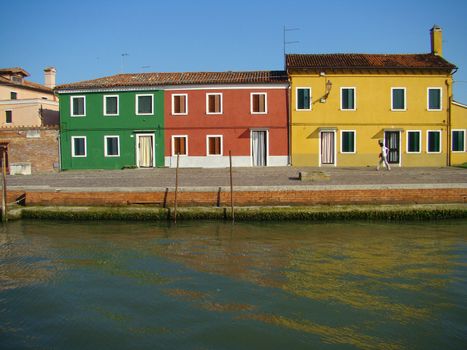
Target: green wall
{"type": "Point", "coordinates": [95, 126]}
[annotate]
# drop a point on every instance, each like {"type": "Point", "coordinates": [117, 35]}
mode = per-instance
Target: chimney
{"type": "Point", "coordinates": [49, 77]}
{"type": "Point", "coordinates": [436, 36]}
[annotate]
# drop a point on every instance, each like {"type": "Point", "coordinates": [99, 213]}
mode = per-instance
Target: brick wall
{"type": "Point", "coordinates": [41, 152]}
{"type": "Point", "coordinates": [361, 196]}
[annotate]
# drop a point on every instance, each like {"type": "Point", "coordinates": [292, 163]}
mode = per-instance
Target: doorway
{"type": "Point", "coordinates": [327, 148]}
{"type": "Point", "coordinates": [145, 151]}
{"type": "Point", "coordinates": [259, 147]}
{"type": "Point", "coordinates": [392, 142]}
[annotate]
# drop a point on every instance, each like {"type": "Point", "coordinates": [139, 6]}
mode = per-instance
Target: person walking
{"type": "Point", "coordinates": [383, 156]}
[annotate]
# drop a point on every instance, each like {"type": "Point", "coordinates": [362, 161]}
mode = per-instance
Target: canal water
{"type": "Point", "coordinates": [211, 285]}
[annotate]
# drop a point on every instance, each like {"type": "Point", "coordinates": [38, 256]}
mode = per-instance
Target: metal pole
{"type": "Point", "coordinates": [176, 190]}
{"type": "Point", "coordinates": [231, 188]}
{"type": "Point", "coordinates": [4, 209]}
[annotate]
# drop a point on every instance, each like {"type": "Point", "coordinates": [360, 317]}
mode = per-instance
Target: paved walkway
{"type": "Point", "coordinates": [271, 176]}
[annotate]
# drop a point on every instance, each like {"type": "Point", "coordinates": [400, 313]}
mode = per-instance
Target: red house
{"type": "Point", "coordinates": [208, 114]}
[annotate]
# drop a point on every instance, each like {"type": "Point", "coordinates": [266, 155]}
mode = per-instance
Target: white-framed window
{"type": "Point", "coordinates": [458, 140]}
{"type": "Point", "coordinates": [144, 104]}
{"type": "Point", "coordinates": [111, 105]}
{"type": "Point", "coordinates": [348, 98]}
{"type": "Point", "coordinates": [179, 104]}
{"type": "Point", "coordinates": [179, 145]}
{"type": "Point", "coordinates": [78, 106]}
{"type": "Point", "coordinates": [348, 141]}
{"type": "Point", "coordinates": [214, 145]}
{"type": "Point", "coordinates": [414, 141]}
{"type": "Point", "coordinates": [434, 98]}
{"type": "Point", "coordinates": [8, 116]}
{"type": "Point", "coordinates": [112, 146]}
{"type": "Point", "coordinates": [258, 103]}
{"type": "Point", "coordinates": [398, 99]}
{"type": "Point", "coordinates": [214, 103]}
{"type": "Point", "coordinates": [78, 146]}
{"type": "Point", "coordinates": [433, 141]}
{"type": "Point", "coordinates": [303, 99]}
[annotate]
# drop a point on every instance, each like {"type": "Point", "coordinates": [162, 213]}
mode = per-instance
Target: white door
{"type": "Point", "coordinates": [327, 147]}
{"type": "Point", "coordinates": [145, 151]}
{"type": "Point", "coordinates": [259, 148]}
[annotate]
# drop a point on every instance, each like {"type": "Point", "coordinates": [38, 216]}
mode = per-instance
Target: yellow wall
{"type": "Point", "coordinates": [372, 116]}
{"type": "Point", "coordinates": [459, 122]}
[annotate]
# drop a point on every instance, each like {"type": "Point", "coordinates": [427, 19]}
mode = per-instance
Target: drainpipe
{"type": "Point", "coordinates": [289, 121]}
{"type": "Point", "coordinates": [448, 126]}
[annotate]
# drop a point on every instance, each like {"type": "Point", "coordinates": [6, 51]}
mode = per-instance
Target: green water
{"type": "Point", "coordinates": [249, 286]}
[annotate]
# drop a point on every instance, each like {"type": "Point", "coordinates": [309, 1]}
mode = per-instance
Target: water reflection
{"type": "Point", "coordinates": [358, 285]}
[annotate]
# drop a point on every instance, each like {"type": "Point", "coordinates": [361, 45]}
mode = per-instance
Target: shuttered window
{"type": "Point", "coordinates": [179, 104]}
{"type": "Point", "coordinates": [434, 99]}
{"type": "Point", "coordinates": [458, 140]}
{"type": "Point", "coordinates": [348, 142]}
{"type": "Point", "coordinates": [214, 103]}
{"type": "Point", "coordinates": [434, 142]}
{"type": "Point", "coordinates": [179, 145]}
{"type": "Point", "coordinates": [78, 106]}
{"type": "Point", "coordinates": [8, 117]}
{"type": "Point", "coordinates": [347, 98]}
{"type": "Point", "coordinates": [111, 105]}
{"type": "Point", "coordinates": [413, 141]}
{"type": "Point", "coordinates": [112, 146]}
{"type": "Point", "coordinates": [398, 99]}
{"type": "Point", "coordinates": [144, 104]}
{"type": "Point", "coordinates": [258, 103]}
{"type": "Point", "coordinates": [214, 145]}
{"type": "Point", "coordinates": [78, 146]}
{"type": "Point", "coordinates": [303, 99]}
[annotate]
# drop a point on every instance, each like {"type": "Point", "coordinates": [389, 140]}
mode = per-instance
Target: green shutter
{"type": "Point", "coordinates": [398, 99]}
{"type": "Point", "coordinates": [303, 99]}
{"type": "Point", "coordinates": [414, 141]}
{"type": "Point", "coordinates": [434, 99]}
{"type": "Point", "coordinates": [348, 99]}
{"type": "Point", "coordinates": [433, 141]}
{"type": "Point", "coordinates": [348, 140]}
{"type": "Point", "coordinates": [458, 141]}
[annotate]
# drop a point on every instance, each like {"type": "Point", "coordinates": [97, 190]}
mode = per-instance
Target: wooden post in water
{"type": "Point", "coordinates": [231, 189]}
{"type": "Point", "coordinates": [4, 209]}
{"type": "Point", "coordinates": [176, 190]}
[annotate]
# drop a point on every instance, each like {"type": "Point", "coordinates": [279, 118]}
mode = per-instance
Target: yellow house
{"type": "Point", "coordinates": [458, 133]}
{"type": "Point", "coordinates": [341, 105]}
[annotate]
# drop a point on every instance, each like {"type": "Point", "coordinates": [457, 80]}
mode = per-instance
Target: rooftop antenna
{"type": "Point", "coordinates": [285, 42]}
{"type": "Point", "coordinates": [145, 67]}
{"type": "Point", "coordinates": [123, 61]}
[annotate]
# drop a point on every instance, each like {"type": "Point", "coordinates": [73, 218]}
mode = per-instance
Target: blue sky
{"type": "Point", "coordinates": [86, 39]}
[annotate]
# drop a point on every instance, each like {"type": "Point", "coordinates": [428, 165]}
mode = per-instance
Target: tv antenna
{"type": "Point", "coordinates": [123, 61]}
{"type": "Point", "coordinates": [285, 42]}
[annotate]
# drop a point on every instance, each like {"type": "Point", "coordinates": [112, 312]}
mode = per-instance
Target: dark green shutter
{"type": "Point", "coordinates": [433, 141]}
{"type": "Point", "coordinates": [348, 99]}
{"type": "Point", "coordinates": [458, 141]}
{"type": "Point", "coordinates": [303, 99]}
{"type": "Point", "coordinates": [434, 98]}
{"type": "Point", "coordinates": [414, 141]}
{"type": "Point", "coordinates": [398, 99]}
{"type": "Point", "coordinates": [348, 140]}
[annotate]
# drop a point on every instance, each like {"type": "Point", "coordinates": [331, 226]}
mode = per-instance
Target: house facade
{"type": "Point", "coordinates": [209, 115]}
{"type": "Point", "coordinates": [29, 119]}
{"type": "Point", "coordinates": [146, 120]}
{"type": "Point", "coordinates": [458, 133]}
{"type": "Point", "coordinates": [343, 104]}
{"type": "Point", "coordinates": [104, 125]}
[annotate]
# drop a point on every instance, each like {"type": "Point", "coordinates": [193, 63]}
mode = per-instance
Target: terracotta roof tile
{"type": "Point", "coordinates": [187, 78]}
{"type": "Point", "coordinates": [367, 61]}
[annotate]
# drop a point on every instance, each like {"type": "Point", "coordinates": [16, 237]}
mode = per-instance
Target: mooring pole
{"type": "Point", "coordinates": [4, 209]}
{"type": "Point", "coordinates": [176, 190]}
{"type": "Point", "coordinates": [231, 189]}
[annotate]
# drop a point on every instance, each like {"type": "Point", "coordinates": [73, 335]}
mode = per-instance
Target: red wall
{"type": "Point", "coordinates": [234, 123]}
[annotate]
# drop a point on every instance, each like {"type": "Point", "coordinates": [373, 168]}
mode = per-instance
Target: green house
{"type": "Point", "coordinates": [110, 128]}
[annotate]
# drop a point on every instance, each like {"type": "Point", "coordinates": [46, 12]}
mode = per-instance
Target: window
{"type": "Point", "coordinates": [434, 99]}
{"type": "Point", "coordinates": [414, 141]}
{"type": "Point", "coordinates": [348, 99]}
{"type": "Point", "coordinates": [258, 103]}
{"type": "Point", "coordinates": [347, 141]}
{"type": "Point", "coordinates": [78, 146]}
{"type": "Point", "coordinates": [8, 117]}
{"type": "Point", "coordinates": [214, 103]}
{"type": "Point", "coordinates": [17, 79]}
{"type": "Point", "coordinates": [78, 106]}
{"type": "Point", "coordinates": [398, 99]}
{"type": "Point", "coordinates": [179, 104]}
{"type": "Point", "coordinates": [214, 145]}
{"type": "Point", "coordinates": [433, 144]}
{"type": "Point", "coordinates": [112, 146]}
{"type": "Point", "coordinates": [303, 99]}
{"type": "Point", "coordinates": [179, 145]}
{"type": "Point", "coordinates": [13, 95]}
{"type": "Point", "coordinates": [458, 141]}
{"type": "Point", "coordinates": [144, 104]}
{"type": "Point", "coordinates": [111, 105]}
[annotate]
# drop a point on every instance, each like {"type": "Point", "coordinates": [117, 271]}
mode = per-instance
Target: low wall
{"type": "Point", "coordinates": [263, 197]}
